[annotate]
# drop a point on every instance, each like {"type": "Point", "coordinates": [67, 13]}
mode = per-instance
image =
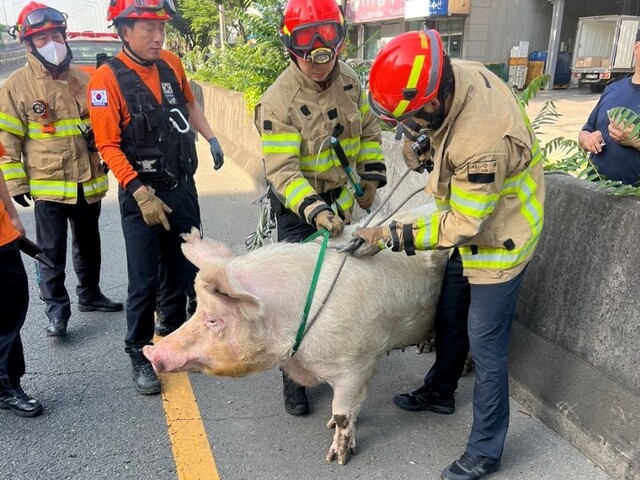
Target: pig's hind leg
{"type": "Point", "coordinates": [349, 391]}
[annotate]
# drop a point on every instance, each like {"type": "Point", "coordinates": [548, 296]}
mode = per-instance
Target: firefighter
{"type": "Point", "coordinates": [315, 98]}
{"type": "Point", "coordinates": [14, 296]}
{"type": "Point", "coordinates": [44, 111]}
{"type": "Point", "coordinates": [487, 180]}
{"type": "Point", "coordinates": [143, 109]}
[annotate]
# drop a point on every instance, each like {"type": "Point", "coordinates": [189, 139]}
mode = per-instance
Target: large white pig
{"type": "Point", "coordinates": [250, 306]}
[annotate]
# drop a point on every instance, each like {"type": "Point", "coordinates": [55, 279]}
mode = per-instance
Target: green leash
{"type": "Point", "coordinates": [312, 287]}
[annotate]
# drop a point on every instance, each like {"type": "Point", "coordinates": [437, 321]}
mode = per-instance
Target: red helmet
{"type": "Point", "coordinates": [312, 24]}
{"type": "Point", "coordinates": [406, 74]}
{"type": "Point", "coordinates": [141, 9]}
{"type": "Point", "coordinates": [37, 17]}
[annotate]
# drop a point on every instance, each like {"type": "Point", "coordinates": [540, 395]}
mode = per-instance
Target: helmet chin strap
{"type": "Point", "coordinates": [134, 56]}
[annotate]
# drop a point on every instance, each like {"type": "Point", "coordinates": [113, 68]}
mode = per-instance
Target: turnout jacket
{"type": "Point", "coordinates": [40, 121]}
{"type": "Point", "coordinates": [296, 118]}
{"type": "Point", "coordinates": [487, 180]}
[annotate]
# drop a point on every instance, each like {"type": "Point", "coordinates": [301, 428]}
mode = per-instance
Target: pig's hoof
{"type": "Point", "coordinates": [342, 456]}
{"type": "Point", "coordinates": [331, 424]}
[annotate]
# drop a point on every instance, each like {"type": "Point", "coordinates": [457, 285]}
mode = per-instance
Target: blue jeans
{"type": "Point", "coordinates": [476, 318]}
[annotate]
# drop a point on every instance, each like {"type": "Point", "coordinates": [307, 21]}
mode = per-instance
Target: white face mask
{"type": "Point", "coordinates": [54, 52]}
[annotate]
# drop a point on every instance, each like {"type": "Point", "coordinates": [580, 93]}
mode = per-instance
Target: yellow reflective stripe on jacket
{"type": "Point", "coordinates": [288, 143]}
{"type": "Point", "coordinates": [321, 162]}
{"type": "Point", "coordinates": [345, 200]}
{"type": "Point", "coordinates": [326, 159]}
{"type": "Point", "coordinates": [443, 205]}
{"type": "Point", "coordinates": [13, 171]}
{"type": "Point", "coordinates": [370, 151]}
{"type": "Point", "coordinates": [525, 188]}
{"type": "Point", "coordinates": [426, 236]}
{"type": "Point", "coordinates": [11, 124]}
{"type": "Point", "coordinates": [53, 188]}
{"type": "Point", "coordinates": [497, 258]}
{"type": "Point", "coordinates": [295, 192]}
{"type": "Point", "coordinates": [63, 128]}
{"type": "Point", "coordinates": [96, 186]}
{"type": "Point", "coordinates": [477, 205]}
{"type": "Point", "coordinates": [364, 107]}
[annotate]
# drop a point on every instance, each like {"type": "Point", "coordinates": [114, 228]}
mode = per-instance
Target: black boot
{"type": "Point", "coordinates": [144, 377]}
{"type": "Point", "coordinates": [163, 327]}
{"type": "Point", "coordinates": [295, 397]}
{"type": "Point", "coordinates": [99, 303]}
{"type": "Point", "coordinates": [57, 327]}
{"type": "Point", "coordinates": [13, 398]}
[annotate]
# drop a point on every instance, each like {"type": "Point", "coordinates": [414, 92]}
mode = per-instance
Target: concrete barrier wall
{"type": "Point", "coordinates": [574, 357]}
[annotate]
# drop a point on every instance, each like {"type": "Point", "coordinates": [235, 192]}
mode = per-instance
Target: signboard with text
{"type": "Point", "coordinates": [425, 8]}
{"type": "Point", "coordinates": [359, 11]}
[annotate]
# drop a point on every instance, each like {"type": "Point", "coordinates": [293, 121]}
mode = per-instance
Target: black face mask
{"type": "Point", "coordinates": [432, 121]}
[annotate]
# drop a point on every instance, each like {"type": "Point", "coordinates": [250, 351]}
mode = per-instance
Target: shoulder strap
{"type": "Point", "coordinates": [131, 85]}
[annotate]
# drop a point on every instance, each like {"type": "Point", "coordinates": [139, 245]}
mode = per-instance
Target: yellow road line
{"type": "Point", "coordinates": [191, 450]}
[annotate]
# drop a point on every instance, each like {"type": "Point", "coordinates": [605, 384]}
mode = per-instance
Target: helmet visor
{"type": "Point", "coordinates": [387, 116]}
{"type": "Point", "coordinates": [39, 17]}
{"type": "Point", "coordinates": [310, 36]}
{"type": "Point", "coordinates": [155, 5]}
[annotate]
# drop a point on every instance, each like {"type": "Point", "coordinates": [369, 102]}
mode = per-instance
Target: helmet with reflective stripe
{"type": "Point", "coordinates": [37, 17]}
{"type": "Point", "coordinates": [312, 24]}
{"type": "Point", "coordinates": [406, 74]}
{"type": "Point", "coordinates": [140, 10]}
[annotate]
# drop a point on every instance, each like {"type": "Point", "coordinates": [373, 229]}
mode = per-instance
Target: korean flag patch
{"type": "Point", "coordinates": [99, 98]}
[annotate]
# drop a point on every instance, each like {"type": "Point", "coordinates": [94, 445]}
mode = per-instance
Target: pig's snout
{"type": "Point", "coordinates": [162, 360]}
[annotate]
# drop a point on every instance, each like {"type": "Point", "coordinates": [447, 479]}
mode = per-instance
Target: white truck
{"type": "Point", "coordinates": [604, 49]}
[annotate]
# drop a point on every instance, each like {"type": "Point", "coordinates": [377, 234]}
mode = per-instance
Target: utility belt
{"type": "Point", "coordinates": [279, 209]}
{"type": "Point", "coordinates": [166, 185]}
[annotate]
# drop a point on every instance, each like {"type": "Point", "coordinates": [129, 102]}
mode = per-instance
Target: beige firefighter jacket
{"type": "Point", "coordinates": [296, 118]}
{"type": "Point", "coordinates": [487, 180]}
{"type": "Point", "coordinates": [46, 154]}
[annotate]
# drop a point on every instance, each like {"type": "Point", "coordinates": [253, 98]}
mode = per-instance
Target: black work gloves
{"type": "Point", "coordinates": [216, 153]}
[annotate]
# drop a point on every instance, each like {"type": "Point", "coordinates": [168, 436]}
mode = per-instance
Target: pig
{"type": "Point", "coordinates": [250, 307]}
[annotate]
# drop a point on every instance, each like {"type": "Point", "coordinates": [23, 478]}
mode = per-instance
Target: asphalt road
{"type": "Point", "coordinates": [95, 425]}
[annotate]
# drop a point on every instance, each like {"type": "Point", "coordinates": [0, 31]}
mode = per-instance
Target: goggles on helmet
{"type": "Point", "coordinates": [306, 37]}
{"type": "Point", "coordinates": [149, 6]}
{"type": "Point", "coordinates": [41, 16]}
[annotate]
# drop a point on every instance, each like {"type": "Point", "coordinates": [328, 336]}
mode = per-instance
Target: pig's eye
{"type": "Point", "coordinates": [213, 322]}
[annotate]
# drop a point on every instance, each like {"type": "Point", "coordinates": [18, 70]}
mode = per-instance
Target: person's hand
{"type": "Point", "coordinates": [369, 188]}
{"type": "Point", "coordinates": [333, 223]}
{"type": "Point", "coordinates": [374, 240]}
{"type": "Point", "coordinates": [216, 153]}
{"type": "Point", "coordinates": [411, 160]}
{"type": "Point", "coordinates": [623, 135]}
{"type": "Point", "coordinates": [592, 142]}
{"type": "Point", "coordinates": [21, 199]}
{"type": "Point", "coordinates": [154, 211]}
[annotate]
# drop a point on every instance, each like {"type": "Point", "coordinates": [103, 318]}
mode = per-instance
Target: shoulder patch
{"type": "Point", "coordinates": [99, 98]}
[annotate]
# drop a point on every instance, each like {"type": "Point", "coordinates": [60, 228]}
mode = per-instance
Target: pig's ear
{"type": "Point", "coordinates": [202, 251]}
{"type": "Point", "coordinates": [226, 284]}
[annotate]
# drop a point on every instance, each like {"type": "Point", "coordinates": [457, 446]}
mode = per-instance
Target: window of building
{"type": "Point", "coordinates": [377, 35]}
{"type": "Point", "coordinates": [450, 29]}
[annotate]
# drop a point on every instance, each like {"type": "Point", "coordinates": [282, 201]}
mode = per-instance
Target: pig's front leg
{"type": "Point", "coordinates": [348, 396]}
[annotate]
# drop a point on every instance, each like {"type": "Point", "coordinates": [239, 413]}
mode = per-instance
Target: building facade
{"type": "Point", "coordinates": [480, 30]}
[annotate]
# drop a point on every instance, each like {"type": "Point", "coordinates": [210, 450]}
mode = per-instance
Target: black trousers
{"type": "Point", "coordinates": [14, 298]}
{"type": "Point", "coordinates": [147, 248]}
{"type": "Point", "coordinates": [51, 235]}
{"type": "Point", "coordinates": [164, 289]}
